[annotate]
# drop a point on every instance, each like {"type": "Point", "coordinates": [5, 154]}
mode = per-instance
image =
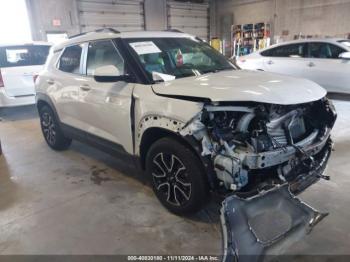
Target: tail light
{"type": "Point", "coordinates": [1, 80]}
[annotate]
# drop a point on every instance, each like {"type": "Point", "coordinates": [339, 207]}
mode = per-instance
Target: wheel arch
{"type": "Point", "coordinates": [45, 100]}
{"type": "Point", "coordinates": [153, 134]}
{"type": "Point", "coordinates": [41, 103]}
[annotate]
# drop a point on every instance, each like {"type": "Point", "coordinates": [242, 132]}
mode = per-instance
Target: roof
{"type": "Point", "coordinates": [327, 40]}
{"type": "Point", "coordinates": [26, 43]}
{"type": "Point", "coordinates": [308, 40]}
{"type": "Point", "coordinates": [90, 36]}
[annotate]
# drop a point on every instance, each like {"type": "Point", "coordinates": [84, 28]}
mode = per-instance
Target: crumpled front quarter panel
{"type": "Point", "coordinates": [152, 110]}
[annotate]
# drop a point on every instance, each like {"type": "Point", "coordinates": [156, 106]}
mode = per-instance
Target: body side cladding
{"type": "Point", "coordinates": [104, 145]}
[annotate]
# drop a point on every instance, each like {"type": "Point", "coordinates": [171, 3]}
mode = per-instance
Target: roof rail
{"type": "Point", "coordinates": [173, 30]}
{"type": "Point", "coordinates": [107, 29]}
{"type": "Point", "coordinates": [100, 30]}
{"type": "Point", "coordinates": [73, 36]}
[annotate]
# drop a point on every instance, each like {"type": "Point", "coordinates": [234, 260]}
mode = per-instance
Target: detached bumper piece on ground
{"type": "Point", "coordinates": [264, 224]}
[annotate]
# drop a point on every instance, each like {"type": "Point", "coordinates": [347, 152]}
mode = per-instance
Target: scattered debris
{"type": "Point", "coordinates": [99, 175]}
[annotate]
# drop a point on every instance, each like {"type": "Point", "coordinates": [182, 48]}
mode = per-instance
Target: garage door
{"type": "Point", "coordinates": [190, 18]}
{"type": "Point", "coordinates": [119, 14]}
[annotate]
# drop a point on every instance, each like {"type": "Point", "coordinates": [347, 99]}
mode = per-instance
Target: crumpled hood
{"type": "Point", "coordinates": [243, 85]}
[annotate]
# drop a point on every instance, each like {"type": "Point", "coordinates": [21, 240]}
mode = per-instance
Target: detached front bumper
{"type": "Point", "coordinates": [265, 224]}
{"type": "Point", "coordinates": [271, 221]}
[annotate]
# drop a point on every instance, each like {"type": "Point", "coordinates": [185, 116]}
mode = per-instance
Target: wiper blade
{"type": "Point", "coordinates": [217, 70]}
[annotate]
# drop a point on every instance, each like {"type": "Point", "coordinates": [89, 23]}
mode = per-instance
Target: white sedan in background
{"type": "Point", "coordinates": [326, 62]}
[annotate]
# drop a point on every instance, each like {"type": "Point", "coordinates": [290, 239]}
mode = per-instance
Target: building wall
{"type": "Point", "coordinates": [313, 17]}
{"type": "Point", "coordinates": [305, 17]}
{"type": "Point", "coordinates": [43, 12]}
{"type": "Point", "coordinates": [155, 15]}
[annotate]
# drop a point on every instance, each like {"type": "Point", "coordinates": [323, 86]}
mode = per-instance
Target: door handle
{"type": "Point", "coordinates": [270, 62]}
{"type": "Point", "coordinates": [85, 87]}
{"type": "Point", "coordinates": [50, 81]}
{"type": "Point", "coordinates": [311, 64]}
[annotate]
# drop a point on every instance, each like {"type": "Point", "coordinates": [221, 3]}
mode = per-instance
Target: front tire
{"type": "Point", "coordinates": [51, 130]}
{"type": "Point", "coordinates": [177, 176]}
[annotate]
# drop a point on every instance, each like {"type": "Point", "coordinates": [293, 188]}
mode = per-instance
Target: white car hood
{"type": "Point", "coordinates": [242, 85]}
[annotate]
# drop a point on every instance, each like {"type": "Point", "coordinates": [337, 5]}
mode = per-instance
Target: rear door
{"type": "Point", "coordinates": [65, 83]}
{"type": "Point", "coordinates": [286, 59]}
{"type": "Point", "coordinates": [326, 68]}
{"type": "Point", "coordinates": [18, 66]}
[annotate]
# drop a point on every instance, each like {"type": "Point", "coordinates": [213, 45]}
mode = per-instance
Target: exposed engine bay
{"type": "Point", "coordinates": [251, 145]}
{"type": "Point", "coordinates": [262, 155]}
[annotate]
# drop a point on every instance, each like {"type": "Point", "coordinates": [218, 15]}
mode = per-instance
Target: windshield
{"type": "Point", "coordinates": [345, 42]}
{"type": "Point", "coordinates": [178, 57]}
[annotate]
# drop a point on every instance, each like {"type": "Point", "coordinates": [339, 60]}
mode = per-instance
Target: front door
{"type": "Point", "coordinates": [324, 67]}
{"type": "Point", "coordinates": [105, 106]}
{"type": "Point", "coordinates": [286, 59]}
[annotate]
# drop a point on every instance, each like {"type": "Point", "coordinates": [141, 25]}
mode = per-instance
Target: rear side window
{"type": "Point", "coordinates": [103, 53]}
{"type": "Point", "coordinates": [293, 50]}
{"type": "Point", "coordinates": [70, 59]}
{"type": "Point", "coordinates": [325, 50]}
{"type": "Point", "coordinates": [26, 55]}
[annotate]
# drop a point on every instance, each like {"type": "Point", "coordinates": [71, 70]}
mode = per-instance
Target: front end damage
{"type": "Point", "coordinates": [262, 155]}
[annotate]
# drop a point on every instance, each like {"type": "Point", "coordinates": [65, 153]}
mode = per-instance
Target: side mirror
{"type": "Point", "coordinates": [109, 73]}
{"type": "Point", "coordinates": [345, 56]}
{"type": "Point", "coordinates": [109, 70]}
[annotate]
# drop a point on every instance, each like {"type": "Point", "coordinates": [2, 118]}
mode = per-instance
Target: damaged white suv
{"type": "Point", "coordinates": [195, 122]}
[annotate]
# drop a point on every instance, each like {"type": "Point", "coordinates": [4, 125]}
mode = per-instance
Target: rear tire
{"type": "Point", "coordinates": [51, 130]}
{"type": "Point", "coordinates": [177, 176]}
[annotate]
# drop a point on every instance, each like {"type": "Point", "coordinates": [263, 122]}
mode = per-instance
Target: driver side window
{"type": "Point", "coordinates": [103, 53]}
{"type": "Point", "coordinates": [324, 50]}
{"type": "Point", "coordinates": [292, 50]}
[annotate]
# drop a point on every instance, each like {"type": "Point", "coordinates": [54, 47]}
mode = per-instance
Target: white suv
{"type": "Point", "coordinates": [195, 123]}
{"type": "Point", "coordinates": [19, 66]}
